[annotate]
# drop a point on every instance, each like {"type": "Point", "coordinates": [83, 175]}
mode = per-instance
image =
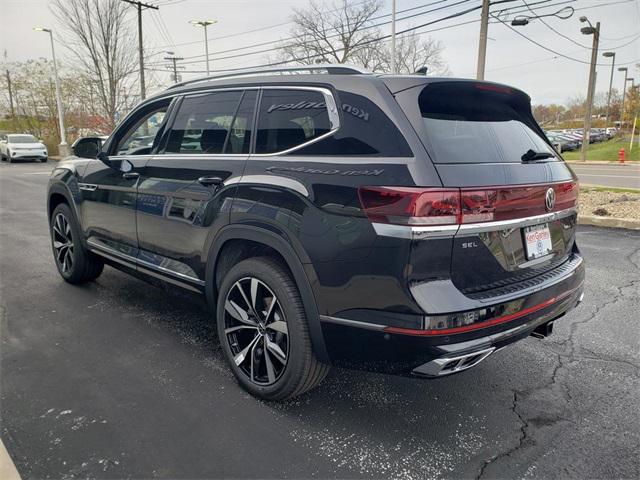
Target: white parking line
{"type": "Point", "coordinates": [8, 470]}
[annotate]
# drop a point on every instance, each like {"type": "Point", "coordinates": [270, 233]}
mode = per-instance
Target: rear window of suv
{"type": "Point", "coordinates": [468, 122]}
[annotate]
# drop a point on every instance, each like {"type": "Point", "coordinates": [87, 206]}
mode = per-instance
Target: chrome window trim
{"type": "Point", "coordinates": [409, 232]}
{"type": "Point", "coordinates": [136, 261]}
{"type": "Point", "coordinates": [332, 111]}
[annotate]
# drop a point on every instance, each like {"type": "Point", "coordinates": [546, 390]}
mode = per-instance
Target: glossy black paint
{"type": "Point", "coordinates": [167, 224]}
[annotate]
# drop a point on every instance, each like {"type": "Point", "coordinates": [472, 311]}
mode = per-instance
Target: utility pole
{"type": "Point", "coordinates": [10, 93]}
{"type": "Point", "coordinates": [595, 31]}
{"type": "Point", "coordinates": [394, 69]}
{"type": "Point", "coordinates": [140, 6]}
{"type": "Point", "coordinates": [8, 75]}
{"type": "Point", "coordinates": [482, 48]}
{"type": "Point", "coordinates": [174, 61]}
{"type": "Point", "coordinates": [624, 94]}
{"type": "Point", "coordinates": [611, 55]}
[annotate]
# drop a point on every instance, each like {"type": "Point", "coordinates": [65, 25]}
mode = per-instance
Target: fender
{"type": "Point", "coordinates": [64, 185]}
{"type": "Point", "coordinates": [279, 244]}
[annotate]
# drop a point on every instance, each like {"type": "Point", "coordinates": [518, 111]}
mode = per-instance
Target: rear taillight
{"type": "Point", "coordinates": [411, 205]}
{"type": "Point", "coordinates": [455, 206]}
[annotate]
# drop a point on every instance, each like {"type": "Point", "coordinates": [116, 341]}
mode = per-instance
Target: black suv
{"type": "Point", "coordinates": [403, 224]}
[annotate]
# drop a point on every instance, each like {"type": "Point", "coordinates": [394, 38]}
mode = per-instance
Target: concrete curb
{"type": "Point", "coordinates": [7, 468]}
{"type": "Point", "coordinates": [601, 162]}
{"type": "Point", "coordinates": [609, 222]}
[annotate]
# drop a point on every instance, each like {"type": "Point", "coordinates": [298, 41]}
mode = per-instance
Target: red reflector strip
{"type": "Point", "coordinates": [477, 326]}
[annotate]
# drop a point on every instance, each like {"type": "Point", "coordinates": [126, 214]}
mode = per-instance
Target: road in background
{"type": "Point", "coordinates": [609, 175]}
{"type": "Point", "coordinates": [119, 379]}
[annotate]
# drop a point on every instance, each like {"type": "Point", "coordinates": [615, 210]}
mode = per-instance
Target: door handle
{"type": "Point", "coordinates": [209, 181]}
{"type": "Point", "coordinates": [130, 175]}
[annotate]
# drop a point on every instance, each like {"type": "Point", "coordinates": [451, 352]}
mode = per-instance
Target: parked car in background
{"type": "Point", "coordinates": [22, 147]}
{"type": "Point", "coordinates": [405, 224]}
{"type": "Point", "coordinates": [566, 144]}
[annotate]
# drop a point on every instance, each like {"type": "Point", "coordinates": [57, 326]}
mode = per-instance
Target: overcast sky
{"type": "Point", "coordinates": [511, 59]}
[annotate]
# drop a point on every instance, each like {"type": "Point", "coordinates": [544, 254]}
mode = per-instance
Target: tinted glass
{"type": "Point", "coordinates": [468, 122]}
{"type": "Point", "coordinates": [239, 140]}
{"type": "Point", "coordinates": [139, 139]}
{"type": "Point", "coordinates": [203, 123]}
{"type": "Point", "coordinates": [22, 139]}
{"type": "Point", "coordinates": [365, 130]}
{"type": "Point", "coordinates": [289, 118]}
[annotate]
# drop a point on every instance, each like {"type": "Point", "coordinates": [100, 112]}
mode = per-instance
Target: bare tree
{"type": "Point", "coordinates": [412, 53]}
{"type": "Point", "coordinates": [333, 33]}
{"type": "Point", "coordinates": [341, 32]}
{"type": "Point", "coordinates": [100, 37]}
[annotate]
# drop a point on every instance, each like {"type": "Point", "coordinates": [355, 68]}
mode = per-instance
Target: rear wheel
{"type": "Point", "coordinates": [74, 262]}
{"type": "Point", "coordinates": [263, 330]}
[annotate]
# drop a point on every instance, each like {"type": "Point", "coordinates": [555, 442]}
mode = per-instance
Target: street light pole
{"type": "Point", "coordinates": [204, 24]}
{"type": "Point", "coordinates": [393, 38]}
{"type": "Point", "coordinates": [624, 94]}
{"type": "Point", "coordinates": [63, 148]}
{"type": "Point", "coordinates": [613, 64]}
{"type": "Point", "coordinates": [482, 47]}
{"type": "Point", "coordinates": [595, 31]}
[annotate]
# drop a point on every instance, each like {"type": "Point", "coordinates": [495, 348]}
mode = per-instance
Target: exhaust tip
{"type": "Point", "coordinates": [448, 365]}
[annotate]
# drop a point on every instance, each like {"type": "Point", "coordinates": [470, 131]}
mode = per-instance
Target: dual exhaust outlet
{"type": "Point", "coordinates": [448, 365]}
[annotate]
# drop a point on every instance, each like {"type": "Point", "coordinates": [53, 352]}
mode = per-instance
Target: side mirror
{"type": "Point", "coordinates": [87, 148]}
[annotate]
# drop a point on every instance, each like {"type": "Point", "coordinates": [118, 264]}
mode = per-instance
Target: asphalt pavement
{"type": "Point", "coordinates": [625, 175]}
{"type": "Point", "coordinates": [119, 379]}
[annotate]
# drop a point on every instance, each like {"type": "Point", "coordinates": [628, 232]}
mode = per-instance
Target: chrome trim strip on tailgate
{"type": "Point", "coordinates": [409, 232]}
{"type": "Point", "coordinates": [475, 228]}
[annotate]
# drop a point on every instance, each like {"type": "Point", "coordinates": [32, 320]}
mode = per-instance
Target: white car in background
{"type": "Point", "coordinates": [22, 147]}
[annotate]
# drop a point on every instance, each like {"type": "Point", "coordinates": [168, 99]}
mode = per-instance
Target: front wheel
{"type": "Point", "coordinates": [44, 160]}
{"type": "Point", "coordinates": [264, 333]}
{"type": "Point", "coordinates": [75, 264]}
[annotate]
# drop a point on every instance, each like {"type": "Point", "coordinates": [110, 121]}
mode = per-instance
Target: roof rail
{"type": "Point", "coordinates": [326, 68]}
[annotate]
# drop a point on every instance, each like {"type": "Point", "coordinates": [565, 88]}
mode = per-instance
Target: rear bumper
{"type": "Point", "coordinates": [373, 345]}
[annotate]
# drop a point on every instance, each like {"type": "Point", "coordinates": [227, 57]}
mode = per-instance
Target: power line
{"type": "Point", "coordinates": [557, 54]}
{"type": "Point", "coordinates": [272, 49]}
{"type": "Point", "coordinates": [271, 42]}
{"type": "Point", "coordinates": [261, 29]}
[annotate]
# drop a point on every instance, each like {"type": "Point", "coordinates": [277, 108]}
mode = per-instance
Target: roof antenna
{"type": "Point", "coordinates": [422, 71]}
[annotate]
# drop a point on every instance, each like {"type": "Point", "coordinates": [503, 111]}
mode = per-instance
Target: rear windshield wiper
{"type": "Point", "coordinates": [532, 156]}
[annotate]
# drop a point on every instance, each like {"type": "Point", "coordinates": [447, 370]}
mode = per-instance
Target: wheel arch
{"type": "Point", "coordinates": [59, 193]}
{"type": "Point", "coordinates": [271, 240]}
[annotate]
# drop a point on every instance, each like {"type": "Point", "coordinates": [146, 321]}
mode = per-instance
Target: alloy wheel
{"type": "Point", "coordinates": [256, 330]}
{"type": "Point", "coordinates": [63, 243]}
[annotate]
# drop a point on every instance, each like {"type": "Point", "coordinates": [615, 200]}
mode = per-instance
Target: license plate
{"type": "Point", "coordinates": [537, 240]}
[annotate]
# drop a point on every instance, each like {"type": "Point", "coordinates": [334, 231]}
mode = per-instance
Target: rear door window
{"type": "Point", "coordinates": [289, 118]}
{"type": "Point", "coordinates": [468, 122]}
{"type": "Point", "coordinates": [203, 123]}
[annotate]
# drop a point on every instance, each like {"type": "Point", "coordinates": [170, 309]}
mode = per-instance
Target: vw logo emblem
{"type": "Point", "coordinates": [550, 199]}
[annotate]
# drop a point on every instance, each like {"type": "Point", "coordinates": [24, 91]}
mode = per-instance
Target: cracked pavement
{"type": "Point", "coordinates": [120, 379]}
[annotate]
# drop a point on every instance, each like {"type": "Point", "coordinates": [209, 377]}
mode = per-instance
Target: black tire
{"type": "Point", "coordinates": [75, 264]}
{"type": "Point", "coordinates": [44, 160]}
{"type": "Point", "coordinates": [301, 371]}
